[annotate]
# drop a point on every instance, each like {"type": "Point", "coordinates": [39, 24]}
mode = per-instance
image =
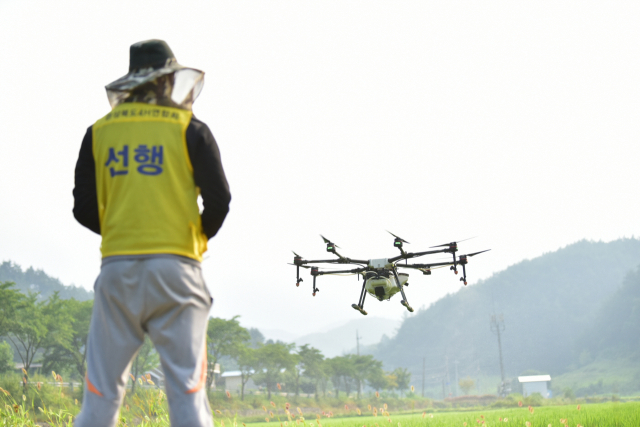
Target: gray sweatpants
{"type": "Point", "coordinates": [165, 297]}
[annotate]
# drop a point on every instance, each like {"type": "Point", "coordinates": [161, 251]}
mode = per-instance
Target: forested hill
{"type": "Point", "coordinates": [615, 331]}
{"type": "Point", "coordinates": [31, 280]}
{"type": "Point", "coordinates": [549, 304]}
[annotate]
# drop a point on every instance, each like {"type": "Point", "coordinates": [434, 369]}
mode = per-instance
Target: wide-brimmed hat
{"type": "Point", "coordinates": [149, 60]}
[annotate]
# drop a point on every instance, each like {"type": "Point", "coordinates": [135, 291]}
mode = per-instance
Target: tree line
{"type": "Point", "coordinates": [291, 368]}
{"type": "Point", "coordinates": [54, 332]}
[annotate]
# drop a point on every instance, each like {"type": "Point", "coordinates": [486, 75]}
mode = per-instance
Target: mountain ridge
{"type": "Point", "coordinates": [342, 339]}
{"type": "Point", "coordinates": [32, 280]}
{"type": "Point", "coordinates": [547, 303]}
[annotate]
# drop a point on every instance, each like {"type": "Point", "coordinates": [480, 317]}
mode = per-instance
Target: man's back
{"type": "Point", "coordinates": [147, 197]}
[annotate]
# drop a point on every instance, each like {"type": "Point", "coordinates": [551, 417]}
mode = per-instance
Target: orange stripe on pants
{"type": "Point", "coordinates": [203, 375]}
{"type": "Point", "coordinates": [91, 387]}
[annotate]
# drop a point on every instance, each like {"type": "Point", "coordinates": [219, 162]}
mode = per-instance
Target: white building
{"type": "Point", "coordinates": [536, 384]}
{"type": "Point", "coordinates": [233, 382]}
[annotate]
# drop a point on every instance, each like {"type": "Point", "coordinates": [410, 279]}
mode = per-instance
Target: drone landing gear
{"type": "Point", "coordinates": [314, 273]}
{"type": "Point", "coordinates": [404, 301]}
{"type": "Point", "coordinates": [360, 309]}
{"type": "Point", "coordinates": [360, 305]}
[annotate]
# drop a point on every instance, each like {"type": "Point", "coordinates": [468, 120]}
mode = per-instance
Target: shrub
{"type": "Point", "coordinates": [535, 399]}
{"type": "Point", "coordinates": [568, 393]}
{"type": "Point", "coordinates": [6, 357]}
{"type": "Point", "coordinates": [10, 381]}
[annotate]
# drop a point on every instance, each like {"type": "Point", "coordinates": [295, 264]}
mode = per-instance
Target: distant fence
{"type": "Point", "coordinates": [474, 400]}
{"type": "Point", "coordinates": [260, 412]}
{"type": "Point", "coordinates": [73, 385]}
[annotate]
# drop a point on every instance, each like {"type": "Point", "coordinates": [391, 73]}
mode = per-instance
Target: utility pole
{"type": "Point", "coordinates": [478, 378]}
{"type": "Point", "coordinates": [446, 364]}
{"type": "Point", "coordinates": [424, 362]}
{"type": "Point", "coordinates": [457, 382]}
{"type": "Point", "coordinates": [497, 326]}
{"type": "Point", "coordinates": [358, 337]}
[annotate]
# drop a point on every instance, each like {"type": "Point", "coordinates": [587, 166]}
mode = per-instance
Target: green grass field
{"type": "Point", "coordinates": [589, 415]}
{"type": "Point", "coordinates": [149, 409]}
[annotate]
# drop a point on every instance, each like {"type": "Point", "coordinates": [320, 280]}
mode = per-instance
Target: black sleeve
{"type": "Point", "coordinates": [208, 175]}
{"type": "Point", "coordinates": [85, 196]}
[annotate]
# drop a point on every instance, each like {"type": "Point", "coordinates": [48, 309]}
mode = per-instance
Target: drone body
{"type": "Point", "coordinates": [381, 278]}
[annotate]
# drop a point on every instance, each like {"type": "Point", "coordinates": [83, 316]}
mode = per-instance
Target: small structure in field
{"type": "Point", "coordinates": [535, 384]}
{"type": "Point", "coordinates": [33, 368]}
{"type": "Point", "coordinates": [233, 382]}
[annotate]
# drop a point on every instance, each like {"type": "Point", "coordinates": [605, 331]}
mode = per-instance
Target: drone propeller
{"type": "Point", "coordinates": [331, 247]}
{"type": "Point", "coordinates": [296, 254]}
{"type": "Point", "coordinates": [399, 238]}
{"type": "Point", "coordinates": [303, 266]}
{"type": "Point", "coordinates": [452, 243]}
{"type": "Point", "coordinates": [466, 255]}
{"type": "Point", "coordinates": [328, 242]}
{"type": "Point", "coordinates": [476, 253]}
{"type": "Point", "coordinates": [397, 242]}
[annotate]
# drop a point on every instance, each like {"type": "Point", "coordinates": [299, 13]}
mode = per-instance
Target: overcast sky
{"type": "Point", "coordinates": [516, 122]}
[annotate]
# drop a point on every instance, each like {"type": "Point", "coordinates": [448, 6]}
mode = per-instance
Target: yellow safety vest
{"type": "Point", "coordinates": [147, 197]}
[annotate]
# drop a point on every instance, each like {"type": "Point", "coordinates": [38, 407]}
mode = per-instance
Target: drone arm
{"type": "Point", "coordinates": [419, 266]}
{"type": "Point", "coordinates": [412, 266]}
{"type": "Point", "coordinates": [318, 261]}
{"type": "Point", "coordinates": [410, 255]}
{"type": "Point", "coordinates": [315, 272]}
{"type": "Point", "coordinates": [341, 260]}
{"type": "Point", "coordinates": [355, 270]}
{"type": "Point", "coordinates": [357, 261]}
{"type": "Point", "coordinates": [345, 260]}
{"type": "Point", "coordinates": [417, 254]}
{"type": "Point", "coordinates": [403, 253]}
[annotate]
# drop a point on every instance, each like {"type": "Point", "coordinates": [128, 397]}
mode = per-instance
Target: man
{"type": "Point", "coordinates": [137, 179]}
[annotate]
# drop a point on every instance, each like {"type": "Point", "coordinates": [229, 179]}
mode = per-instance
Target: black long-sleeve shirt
{"type": "Point", "coordinates": [207, 172]}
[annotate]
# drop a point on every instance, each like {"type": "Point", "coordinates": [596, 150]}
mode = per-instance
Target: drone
{"type": "Point", "coordinates": [381, 278]}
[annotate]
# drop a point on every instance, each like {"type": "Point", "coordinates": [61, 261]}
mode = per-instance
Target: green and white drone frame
{"type": "Point", "coordinates": [381, 278]}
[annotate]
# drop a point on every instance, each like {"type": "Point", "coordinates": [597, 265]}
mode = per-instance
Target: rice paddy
{"type": "Point", "coordinates": [590, 415]}
{"type": "Point", "coordinates": [149, 409]}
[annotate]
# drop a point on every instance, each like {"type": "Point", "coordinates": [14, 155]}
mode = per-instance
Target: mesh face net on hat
{"type": "Point", "coordinates": [170, 86]}
{"type": "Point", "coordinates": [155, 77]}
